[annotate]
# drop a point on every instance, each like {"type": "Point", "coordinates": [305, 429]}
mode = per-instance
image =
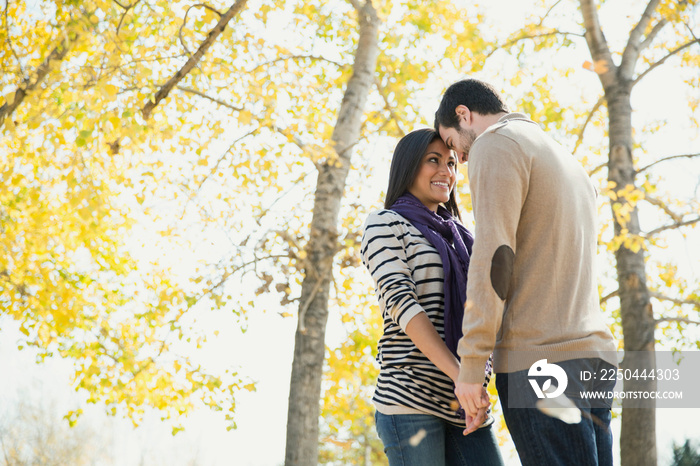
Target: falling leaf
{"type": "Point", "coordinates": [561, 408]}
{"type": "Point", "coordinates": [416, 439]}
{"type": "Point", "coordinates": [601, 67]}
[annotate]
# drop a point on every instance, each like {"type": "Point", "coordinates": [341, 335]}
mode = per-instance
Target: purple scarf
{"type": "Point", "coordinates": [454, 244]}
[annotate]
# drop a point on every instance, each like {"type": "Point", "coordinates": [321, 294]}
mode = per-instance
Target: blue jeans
{"type": "Point", "coordinates": [425, 440]}
{"type": "Point", "coordinates": [544, 440]}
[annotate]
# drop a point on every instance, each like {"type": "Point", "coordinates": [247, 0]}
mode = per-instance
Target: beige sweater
{"type": "Point", "coordinates": [532, 290]}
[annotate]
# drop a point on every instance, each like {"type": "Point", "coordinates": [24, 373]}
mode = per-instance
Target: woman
{"type": "Point", "coordinates": [418, 254]}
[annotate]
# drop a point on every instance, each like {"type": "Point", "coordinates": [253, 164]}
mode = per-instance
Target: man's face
{"type": "Point", "coordinates": [459, 140]}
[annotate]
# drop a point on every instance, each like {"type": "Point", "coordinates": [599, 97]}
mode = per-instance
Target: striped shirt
{"type": "Point", "coordinates": [408, 277]}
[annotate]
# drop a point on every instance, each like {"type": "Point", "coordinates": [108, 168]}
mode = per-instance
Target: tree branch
{"type": "Point", "coordinates": [228, 274]}
{"type": "Point", "coordinates": [684, 320]}
{"type": "Point", "coordinates": [665, 159]}
{"type": "Point", "coordinates": [214, 169]}
{"type": "Point", "coordinates": [389, 108]}
{"type": "Point", "coordinates": [193, 60]}
{"type": "Point", "coordinates": [548, 12]}
{"type": "Point", "coordinates": [126, 11]}
{"type": "Point", "coordinates": [530, 36]}
{"type": "Point", "coordinates": [672, 226]}
{"type": "Point", "coordinates": [662, 60]}
{"type": "Point", "coordinates": [184, 21]}
{"type": "Point", "coordinates": [598, 46]}
{"type": "Point", "coordinates": [57, 54]}
{"type": "Point", "coordinates": [213, 99]}
{"type": "Point", "coordinates": [662, 205]}
{"type": "Point", "coordinates": [662, 297]}
{"type": "Point", "coordinates": [680, 302]}
{"type": "Point", "coordinates": [595, 108]}
{"type": "Point", "coordinates": [298, 57]}
{"type": "Point", "coordinates": [609, 296]}
{"type": "Point", "coordinates": [690, 30]}
{"type": "Point", "coordinates": [652, 34]}
{"type": "Point", "coordinates": [296, 141]}
{"type": "Point", "coordinates": [633, 47]}
{"type": "Point", "coordinates": [597, 169]}
{"type": "Point", "coordinates": [221, 159]}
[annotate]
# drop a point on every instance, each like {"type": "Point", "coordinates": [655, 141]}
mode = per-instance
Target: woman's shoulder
{"type": "Point", "coordinates": [386, 218]}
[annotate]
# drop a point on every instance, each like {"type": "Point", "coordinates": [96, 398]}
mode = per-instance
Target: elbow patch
{"type": "Point", "coordinates": [502, 270]}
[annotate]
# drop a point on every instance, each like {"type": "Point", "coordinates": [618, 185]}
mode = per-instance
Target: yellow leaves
{"type": "Point", "coordinates": [249, 387]}
{"type": "Point", "coordinates": [109, 90]}
{"type": "Point", "coordinates": [72, 416]}
{"type": "Point", "coordinates": [245, 117]}
{"type": "Point", "coordinates": [671, 10]}
{"type": "Point", "coordinates": [668, 275]}
{"type": "Point", "coordinates": [623, 202]}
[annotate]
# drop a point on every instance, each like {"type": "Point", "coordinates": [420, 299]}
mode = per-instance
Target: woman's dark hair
{"type": "Point", "coordinates": [405, 164]}
{"type": "Point", "coordinates": [477, 96]}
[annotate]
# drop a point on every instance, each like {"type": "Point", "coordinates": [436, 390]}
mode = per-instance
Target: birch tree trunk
{"type": "Point", "coordinates": [309, 347]}
{"type": "Point", "coordinates": [638, 432]}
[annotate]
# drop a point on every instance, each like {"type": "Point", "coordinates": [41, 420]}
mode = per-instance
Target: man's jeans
{"type": "Point", "coordinates": [544, 440]}
{"type": "Point", "coordinates": [425, 440]}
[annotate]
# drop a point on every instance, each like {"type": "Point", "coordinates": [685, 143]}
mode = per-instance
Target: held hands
{"type": "Point", "coordinates": [475, 401]}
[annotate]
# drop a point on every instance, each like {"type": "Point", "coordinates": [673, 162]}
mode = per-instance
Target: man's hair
{"type": "Point", "coordinates": [405, 164]}
{"type": "Point", "coordinates": [477, 96]}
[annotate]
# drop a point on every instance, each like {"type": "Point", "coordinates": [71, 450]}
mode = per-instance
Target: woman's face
{"type": "Point", "coordinates": [436, 176]}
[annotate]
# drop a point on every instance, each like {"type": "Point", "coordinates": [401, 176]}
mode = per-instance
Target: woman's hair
{"type": "Point", "coordinates": [477, 96]}
{"type": "Point", "coordinates": [405, 164]}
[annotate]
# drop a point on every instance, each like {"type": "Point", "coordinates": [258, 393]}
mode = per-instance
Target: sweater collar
{"type": "Point", "coordinates": [504, 120]}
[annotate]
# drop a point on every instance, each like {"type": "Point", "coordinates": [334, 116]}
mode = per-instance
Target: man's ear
{"type": "Point", "coordinates": [463, 113]}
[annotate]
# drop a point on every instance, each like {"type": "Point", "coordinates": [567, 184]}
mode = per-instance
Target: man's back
{"type": "Point", "coordinates": [535, 246]}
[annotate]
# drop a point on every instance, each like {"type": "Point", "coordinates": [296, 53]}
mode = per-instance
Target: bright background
{"type": "Point", "coordinates": [264, 352]}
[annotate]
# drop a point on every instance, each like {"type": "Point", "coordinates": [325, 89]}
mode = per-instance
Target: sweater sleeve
{"type": "Point", "coordinates": [384, 255]}
{"type": "Point", "coordinates": [498, 180]}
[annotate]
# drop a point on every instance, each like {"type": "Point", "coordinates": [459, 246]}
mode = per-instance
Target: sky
{"type": "Point", "coordinates": [264, 352]}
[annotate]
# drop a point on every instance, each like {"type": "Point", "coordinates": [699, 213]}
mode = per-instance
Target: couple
{"type": "Point", "coordinates": [528, 288]}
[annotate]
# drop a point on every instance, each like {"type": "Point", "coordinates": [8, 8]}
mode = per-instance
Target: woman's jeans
{"type": "Point", "coordinates": [544, 440]}
{"type": "Point", "coordinates": [425, 440]}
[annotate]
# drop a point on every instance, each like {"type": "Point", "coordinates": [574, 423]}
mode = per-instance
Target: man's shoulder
{"type": "Point", "coordinates": [509, 131]}
{"type": "Point", "coordinates": [511, 123]}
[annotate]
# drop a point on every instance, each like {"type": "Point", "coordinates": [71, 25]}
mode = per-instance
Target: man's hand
{"type": "Point", "coordinates": [475, 401]}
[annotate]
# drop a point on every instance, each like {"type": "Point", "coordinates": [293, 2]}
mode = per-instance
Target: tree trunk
{"type": "Point", "coordinates": [309, 347]}
{"type": "Point", "coordinates": [638, 433]}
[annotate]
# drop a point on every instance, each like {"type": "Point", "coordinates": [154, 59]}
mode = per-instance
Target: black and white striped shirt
{"type": "Point", "coordinates": [408, 277]}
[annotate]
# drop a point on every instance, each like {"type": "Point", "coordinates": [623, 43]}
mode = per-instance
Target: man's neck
{"type": "Point", "coordinates": [484, 121]}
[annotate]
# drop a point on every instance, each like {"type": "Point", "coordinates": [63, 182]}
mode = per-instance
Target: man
{"type": "Point", "coordinates": [531, 288]}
